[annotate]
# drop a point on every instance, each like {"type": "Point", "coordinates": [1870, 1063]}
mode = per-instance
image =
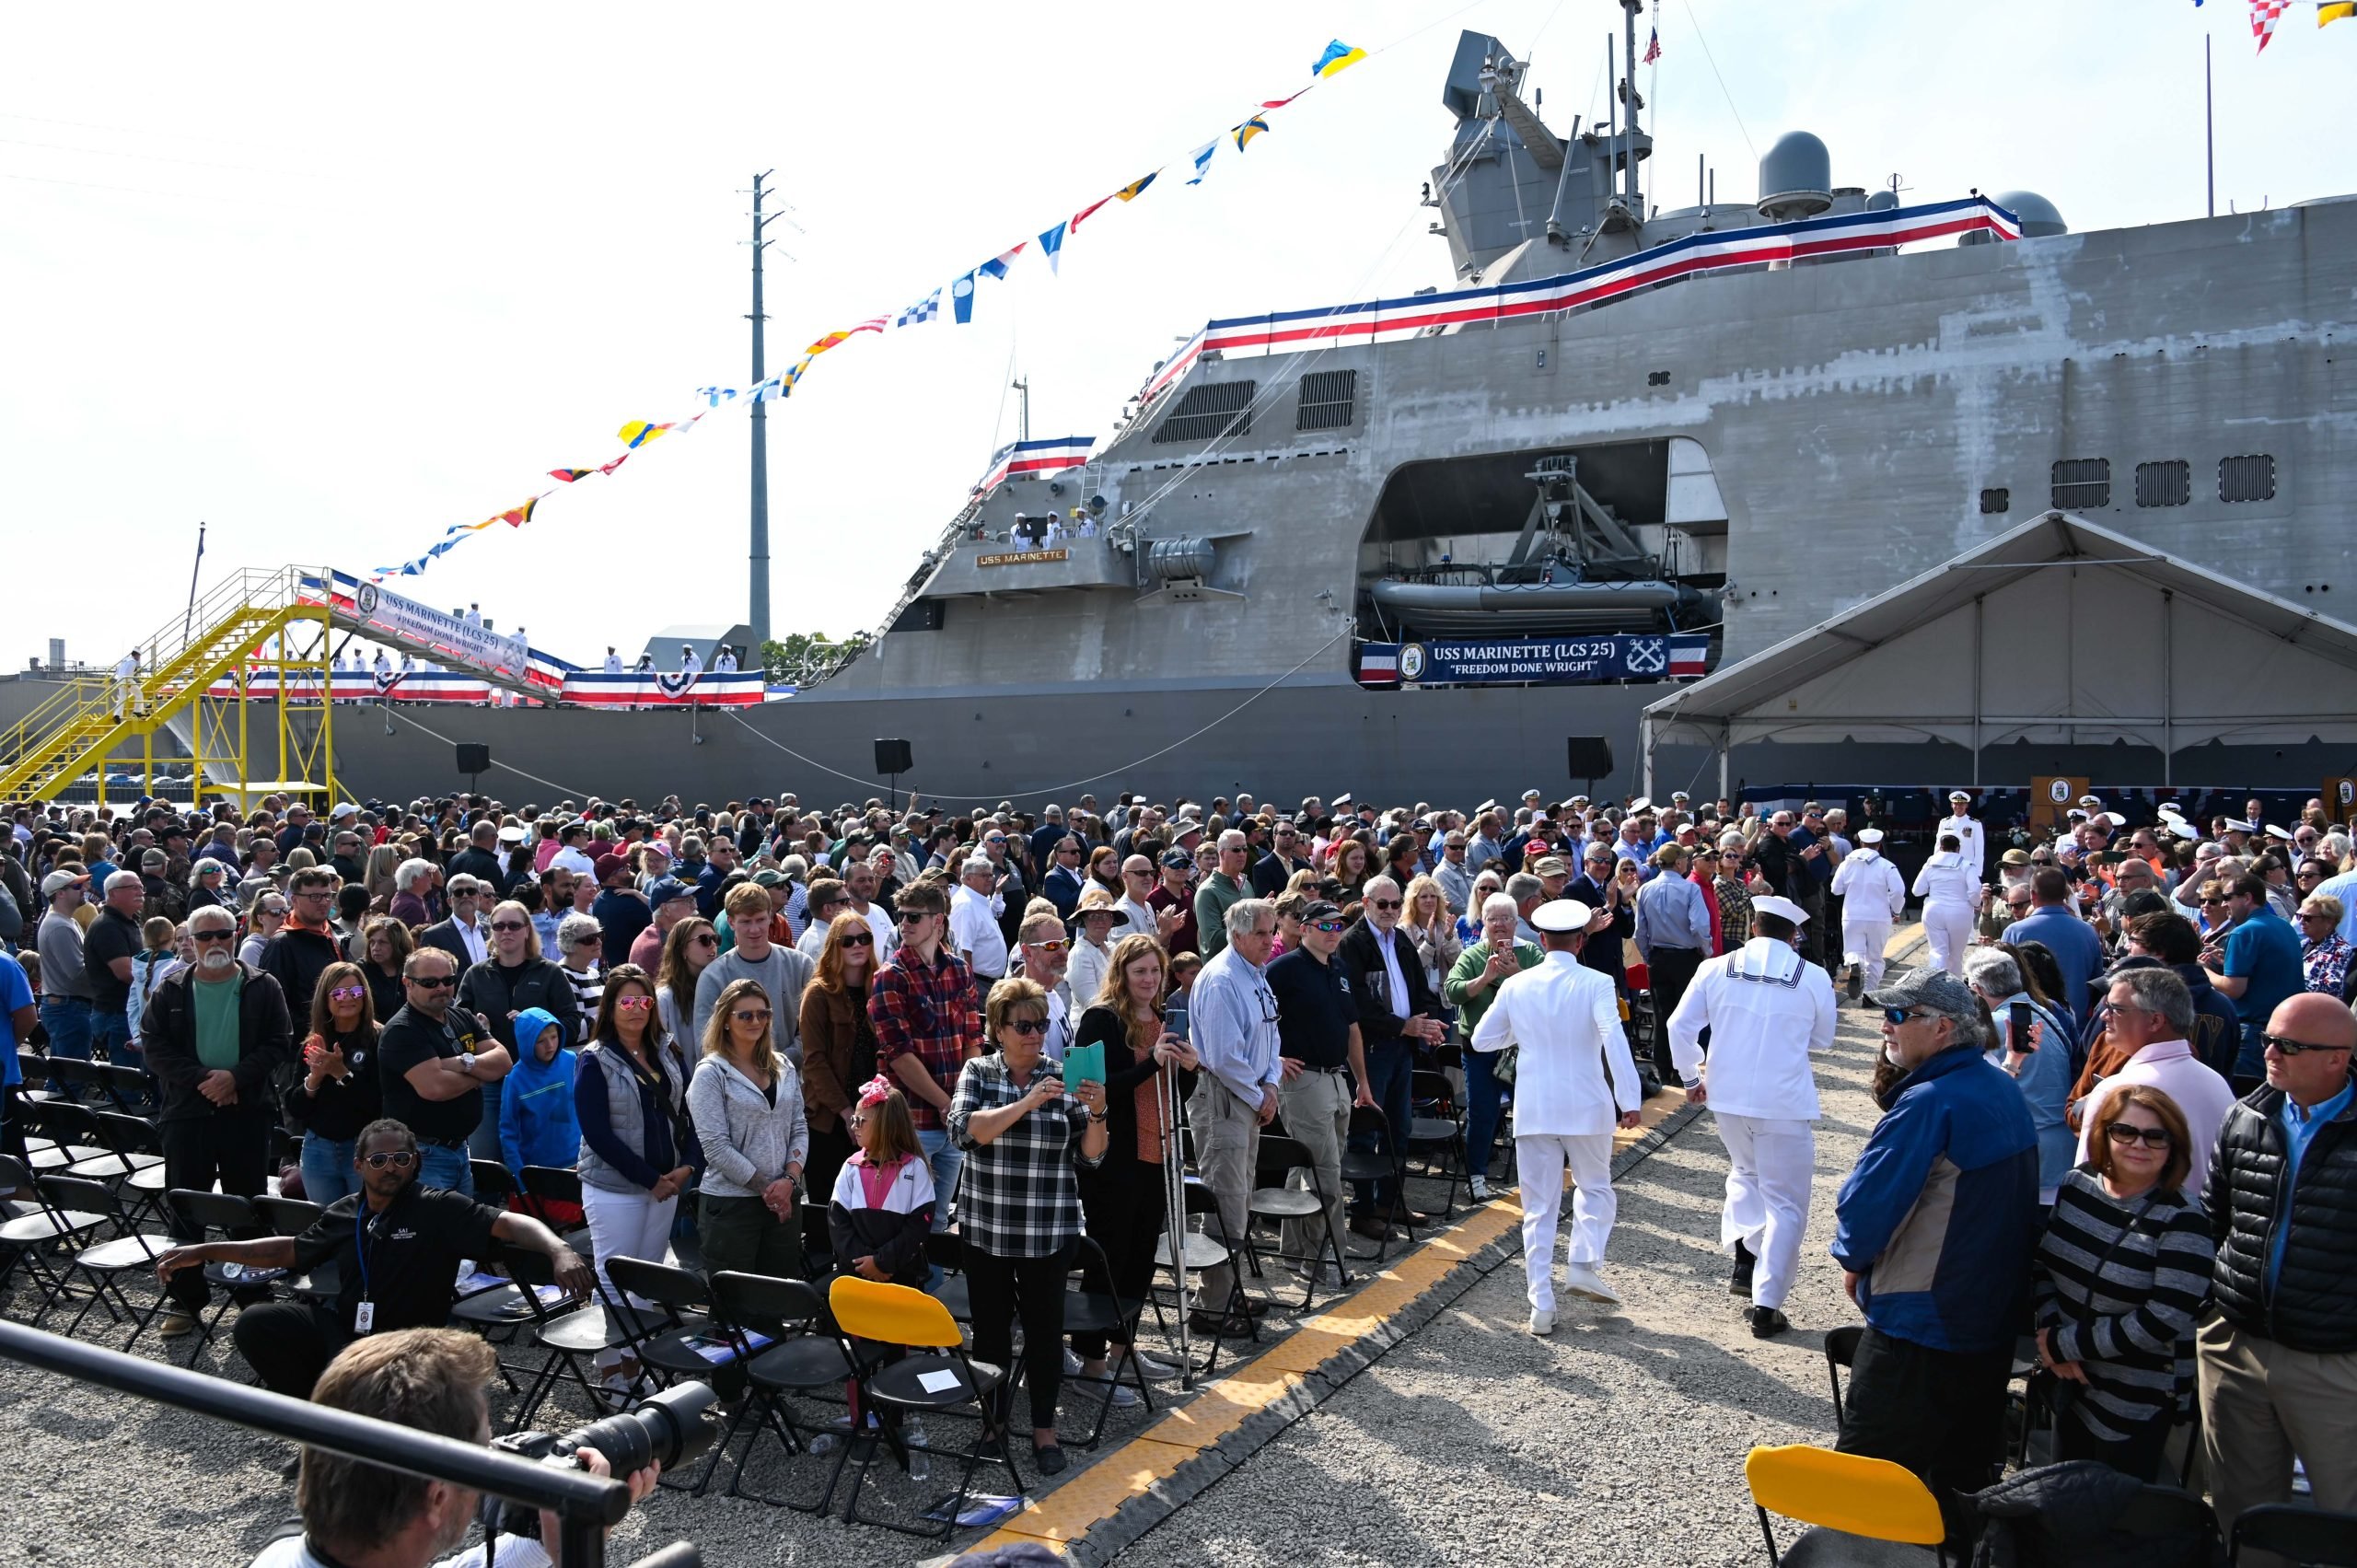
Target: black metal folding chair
{"type": "Point", "coordinates": [935, 1376]}
{"type": "Point", "coordinates": [293, 1216]}
{"type": "Point", "coordinates": [1375, 1167]}
{"type": "Point", "coordinates": [571, 1330]}
{"type": "Point", "coordinates": [73, 1081]}
{"type": "Point", "coordinates": [23, 1238]}
{"type": "Point", "coordinates": [789, 1350]}
{"type": "Point", "coordinates": [104, 1263]}
{"type": "Point", "coordinates": [130, 1089]}
{"type": "Point", "coordinates": [1104, 1312]}
{"type": "Point", "coordinates": [492, 1182]}
{"type": "Point", "coordinates": [1436, 1135]}
{"type": "Point", "coordinates": [2314, 1535]}
{"type": "Point", "coordinates": [1840, 1351]}
{"type": "Point", "coordinates": [199, 1215]}
{"type": "Point", "coordinates": [1275, 1197]}
{"type": "Point", "coordinates": [138, 1143]}
{"type": "Point", "coordinates": [947, 1252]}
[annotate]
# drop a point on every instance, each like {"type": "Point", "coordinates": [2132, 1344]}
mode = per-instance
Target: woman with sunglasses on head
{"type": "Point", "coordinates": [384, 945]}
{"type": "Point", "coordinates": [1024, 1137]}
{"type": "Point", "coordinates": [687, 952]}
{"type": "Point", "coordinates": [340, 1092]}
{"type": "Point", "coordinates": [747, 1103]}
{"type": "Point", "coordinates": [2123, 1268]}
{"type": "Point", "coordinates": [838, 1044]}
{"type": "Point", "coordinates": [638, 1149]}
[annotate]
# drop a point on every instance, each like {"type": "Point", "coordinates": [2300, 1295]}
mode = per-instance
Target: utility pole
{"type": "Point", "coordinates": [759, 609]}
{"type": "Point", "coordinates": [2209, 128]}
{"type": "Point", "coordinates": [1022, 385]}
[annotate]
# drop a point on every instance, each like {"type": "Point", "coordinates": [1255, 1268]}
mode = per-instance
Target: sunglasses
{"type": "Point", "coordinates": [747, 1016]}
{"type": "Point", "coordinates": [2292, 1047]}
{"type": "Point", "coordinates": [508, 925]}
{"type": "Point", "coordinates": [704, 939]}
{"type": "Point", "coordinates": [1026, 1026]}
{"type": "Point", "coordinates": [634, 1003]}
{"type": "Point", "coordinates": [860, 939]}
{"type": "Point", "coordinates": [348, 993]}
{"type": "Point", "coordinates": [1901, 1015]}
{"type": "Point", "coordinates": [1383, 903]}
{"type": "Point", "coordinates": [1330, 925]}
{"type": "Point", "coordinates": [593, 939]}
{"type": "Point", "coordinates": [1049, 945]}
{"type": "Point", "coordinates": [401, 1159]}
{"type": "Point", "coordinates": [212, 936]}
{"type": "Point", "coordinates": [2120, 1132]}
{"type": "Point", "coordinates": [854, 1122]}
{"type": "Point", "coordinates": [434, 982]}
{"type": "Point", "coordinates": [915, 917]}
{"type": "Point", "coordinates": [993, 841]}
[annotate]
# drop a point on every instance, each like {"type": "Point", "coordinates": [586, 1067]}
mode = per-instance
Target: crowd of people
{"type": "Point", "coordinates": [2116, 1092]}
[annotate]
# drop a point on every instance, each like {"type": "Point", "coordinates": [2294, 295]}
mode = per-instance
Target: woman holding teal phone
{"type": "Point", "coordinates": [1124, 1197]}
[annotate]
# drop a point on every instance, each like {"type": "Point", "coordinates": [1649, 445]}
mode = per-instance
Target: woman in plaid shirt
{"type": "Point", "coordinates": [1019, 1211]}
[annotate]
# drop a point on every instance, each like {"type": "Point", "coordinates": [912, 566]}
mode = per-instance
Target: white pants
{"type": "Point", "coordinates": [1771, 1165]}
{"type": "Point", "coordinates": [627, 1225]}
{"type": "Point", "coordinates": [1539, 1159]}
{"type": "Point", "coordinates": [1863, 942]}
{"type": "Point", "coordinates": [1948, 928]}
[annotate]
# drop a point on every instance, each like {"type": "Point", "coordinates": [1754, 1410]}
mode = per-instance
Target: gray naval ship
{"type": "Point", "coordinates": [1720, 459]}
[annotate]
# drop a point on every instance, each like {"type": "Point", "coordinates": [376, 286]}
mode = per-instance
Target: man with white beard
{"type": "Point", "coordinates": [1872, 896]}
{"type": "Point", "coordinates": [213, 1032]}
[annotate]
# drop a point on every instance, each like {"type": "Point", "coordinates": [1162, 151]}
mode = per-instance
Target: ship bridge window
{"type": "Point", "coordinates": [1996, 501]}
{"type": "Point", "coordinates": [1206, 413]}
{"type": "Point", "coordinates": [2164, 485]}
{"type": "Point", "coordinates": [2247, 479]}
{"type": "Point", "coordinates": [1329, 399]}
{"type": "Point", "coordinates": [2082, 483]}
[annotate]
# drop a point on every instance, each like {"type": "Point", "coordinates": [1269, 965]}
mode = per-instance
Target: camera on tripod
{"type": "Point", "coordinates": [668, 1428]}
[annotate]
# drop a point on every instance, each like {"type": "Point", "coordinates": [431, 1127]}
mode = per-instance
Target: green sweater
{"type": "Point", "coordinates": [1472, 1005]}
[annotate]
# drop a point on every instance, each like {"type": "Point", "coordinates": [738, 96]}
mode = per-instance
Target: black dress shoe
{"type": "Point", "coordinates": [1857, 980]}
{"type": "Point", "coordinates": [1232, 1326]}
{"type": "Point", "coordinates": [1051, 1459]}
{"type": "Point", "coordinates": [1767, 1322]}
{"type": "Point", "coordinates": [1741, 1283]}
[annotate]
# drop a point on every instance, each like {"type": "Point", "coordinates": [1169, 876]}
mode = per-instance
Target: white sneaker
{"type": "Point", "coordinates": [1542, 1321]}
{"type": "Point", "coordinates": [1481, 1188]}
{"type": "Point", "coordinates": [1154, 1367]}
{"type": "Point", "coordinates": [1582, 1280]}
{"type": "Point", "coordinates": [1121, 1396]}
{"type": "Point", "coordinates": [1072, 1363]}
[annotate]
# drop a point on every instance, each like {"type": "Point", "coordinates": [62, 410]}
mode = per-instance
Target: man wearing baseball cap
{"type": "Point", "coordinates": [1935, 1226]}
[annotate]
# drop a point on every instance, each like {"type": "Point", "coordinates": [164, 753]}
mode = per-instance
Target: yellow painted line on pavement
{"type": "Point", "coordinates": [1067, 1513]}
{"type": "Point", "coordinates": [1906, 936]}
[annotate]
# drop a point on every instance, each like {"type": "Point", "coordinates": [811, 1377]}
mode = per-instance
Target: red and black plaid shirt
{"type": "Point", "coordinates": [925, 1011]}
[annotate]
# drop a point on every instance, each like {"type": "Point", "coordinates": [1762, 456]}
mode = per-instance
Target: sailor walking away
{"type": "Point", "coordinates": [1872, 894]}
{"type": "Point", "coordinates": [1574, 1081]}
{"type": "Point", "coordinates": [1950, 890]}
{"type": "Point", "coordinates": [1767, 1008]}
{"type": "Point", "coordinates": [1969, 843]}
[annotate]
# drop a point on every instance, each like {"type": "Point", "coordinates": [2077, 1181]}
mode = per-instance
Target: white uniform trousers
{"type": "Point", "coordinates": [1772, 1163]}
{"type": "Point", "coordinates": [1539, 1159]}
{"type": "Point", "coordinates": [1948, 928]}
{"type": "Point", "coordinates": [1863, 942]}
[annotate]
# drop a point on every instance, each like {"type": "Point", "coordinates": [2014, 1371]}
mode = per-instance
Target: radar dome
{"type": "Point", "coordinates": [1882, 201]}
{"type": "Point", "coordinates": [2037, 214]}
{"type": "Point", "coordinates": [1795, 178]}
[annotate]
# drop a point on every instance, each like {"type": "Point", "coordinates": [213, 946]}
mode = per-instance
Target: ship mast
{"type": "Point", "coordinates": [758, 609]}
{"type": "Point", "coordinates": [1633, 100]}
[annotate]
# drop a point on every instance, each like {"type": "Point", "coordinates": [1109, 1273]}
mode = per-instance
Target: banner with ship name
{"type": "Point", "coordinates": [1533, 661]}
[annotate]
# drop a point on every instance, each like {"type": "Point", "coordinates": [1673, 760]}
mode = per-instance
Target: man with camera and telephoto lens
{"type": "Point", "coordinates": [361, 1516]}
{"type": "Point", "coordinates": [396, 1245]}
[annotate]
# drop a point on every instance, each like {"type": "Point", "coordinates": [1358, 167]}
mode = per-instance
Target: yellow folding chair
{"type": "Point", "coordinates": [934, 1374]}
{"type": "Point", "coordinates": [1862, 1512]}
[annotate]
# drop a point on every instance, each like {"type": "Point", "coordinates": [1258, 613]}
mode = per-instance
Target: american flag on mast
{"type": "Point", "coordinates": [1652, 46]}
{"type": "Point", "coordinates": [2264, 14]}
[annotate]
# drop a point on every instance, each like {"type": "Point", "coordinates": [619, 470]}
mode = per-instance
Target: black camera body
{"type": "Point", "coordinates": [668, 1428]}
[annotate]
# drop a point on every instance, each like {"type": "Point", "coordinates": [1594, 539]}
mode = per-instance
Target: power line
{"type": "Point", "coordinates": [1721, 80]}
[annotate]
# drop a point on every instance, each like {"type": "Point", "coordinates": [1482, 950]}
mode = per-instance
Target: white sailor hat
{"type": "Point", "coordinates": [2077, 814]}
{"type": "Point", "coordinates": [1579, 800]}
{"type": "Point", "coordinates": [511, 834]}
{"type": "Point", "coordinates": [2114, 819]}
{"type": "Point", "coordinates": [1343, 798]}
{"type": "Point", "coordinates": [1561, 916]}
{"type": "Point", "coordinates": [1642, 803]}
{"type": "Point", "coordinates": [1530, 794]}
{"type": "Point", "coordinates": [2092, 802]}
{"type": "Point", "coordinates": [2066, 845]}
{"type": "Point", "coordinates": [1958, 795]}
{"type": "Point", "coordinates": [2170, 809]}
{"type": "Point", "coordinates": [2275, 833]}
{"type": "Point", "coordinates": [2182, 828]}
{"type": "Point", "coordinates": [2236, 825]}
{"type": "Point", "coordinates": [1677, 795]}
{"type": "Point", "coordinates": [1486, 807]}
{"type": "Point", "coordinates": [1783, 909]}
{"type": "Point", "coordinates": [1870, 835]}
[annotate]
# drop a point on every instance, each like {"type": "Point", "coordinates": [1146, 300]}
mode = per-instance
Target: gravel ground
{"type": "Point", "coordinates": [1619, 1441]}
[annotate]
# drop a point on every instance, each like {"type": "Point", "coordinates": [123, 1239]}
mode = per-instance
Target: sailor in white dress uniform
{"type": "Point", "coordinates": [1969, 841]}
{"type": "Point", "coordinates": [1767, 1009]}
{"type": "Point", "coordinates": [1872, 896]}
{"type": "Point", "coordinates": [1951, 892]}
{"type": "Point", "coordinates": [1574, 1081]}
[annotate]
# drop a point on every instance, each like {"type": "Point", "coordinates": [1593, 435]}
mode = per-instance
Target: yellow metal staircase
{"type": "Point", "coordinates": [90, 719]}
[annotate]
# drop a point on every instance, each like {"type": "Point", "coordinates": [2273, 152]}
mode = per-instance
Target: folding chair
{"type": "Point", "coordinates": [566, 1327]}
{"type": "Point", "coordinates": [130, 1089]}
{"type": "Point", "coordinates": [205, 1212]}
{"type": "Point", "coordinates": [1840, 1351]}
{"type": "Point", "coordinates": [1862, 1513]}
{"type": "Point", "coordinates": [811, 1360]}
{"type": "Point", "coordinates": [817, 1240]}
{"type": "Point", "coordinates": [1275, 1198]}
{"type": "Point", "coordinates": [1197, 1251]}
{"type": "Point", "coordinates": [937, 1377]}
{"type": "Point", "coordinates": [293, 1216]}
{"type": "Point", "coordinates": [2298, 1535]}
{"type": "Point", "coordinates": [946, 1252]}
{"type": "Point", "coordinates": [136, 1140]}
{"type": "Point", "coordinates": [32, 1068]}
{"type": "Point", "coordinates": [24, 1236]}
{"type": "Point", "coordinates": [103, 1263]}
{"type": "Point", "coordinates": [89, 1155]}
{"type": "Point", "coordinates": [1436, 1135]}
{"type": "Point", "coordinates": [1373, 1166]}
{"type": "Point", "coordinates": [1091, 1312]}
{"type": "Point", "coordinates": [493, 1184]}
{"type": "Point", "coordinates": [678, 1298]}
{"type": "Point", "coordinates": [73, 1080]}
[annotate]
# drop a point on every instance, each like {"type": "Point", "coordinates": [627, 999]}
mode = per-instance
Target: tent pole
{"type": "Point", "coordinates": [1977, 603]}
{"type": "Point", "coordinates": [2168, 682]}
{"type": "Point", "coordinates": [1726, 755]}
{"type": "Point", "coordinates": [1645, 756]}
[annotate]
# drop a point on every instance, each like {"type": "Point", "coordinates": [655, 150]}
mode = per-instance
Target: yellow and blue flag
{"type": "Point", "coordinates": [1339, 56]}
{"type": "Point", "coordinates": [1130, 192]}
{"type": "Point", "coordinates": [1250, 129]}
{"type": "Point", "coordinates": [2335, 11]}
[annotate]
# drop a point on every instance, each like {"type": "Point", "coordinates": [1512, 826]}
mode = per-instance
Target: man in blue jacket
{"type": "Point", "coordinates": [1935, 1226]}
{"type": "Point", "coordinates": [2078, 951]}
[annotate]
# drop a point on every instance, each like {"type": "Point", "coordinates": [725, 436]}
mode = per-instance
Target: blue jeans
{"type": "Point", "coordinates": [67, 1020]}
{"type": "Point", "coordinates": [438, 1166]}
{"type": "Point", "coordinates": [113, 1030]}
{"type": "Point", "coordinates": [1389, 1065]}
{"type": "Point", "coordinates": [946, 1161]}
{"type": "Point", "coordinates": [1482, 1109]}
{"type": "Point", "coordinates": [327, 1168]}
{"type": "Point", "coordinates": [483, 1142]}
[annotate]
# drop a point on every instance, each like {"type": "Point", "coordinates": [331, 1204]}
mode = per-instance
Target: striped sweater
{"type": "Point", "coordinates": [2130, 1326]}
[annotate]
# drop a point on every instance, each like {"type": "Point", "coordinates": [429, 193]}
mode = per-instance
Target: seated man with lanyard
{"type": "Point", "coordinates": [397, 1247]}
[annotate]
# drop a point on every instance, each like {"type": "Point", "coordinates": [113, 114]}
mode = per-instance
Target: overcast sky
{"type": "Point", "coordinates": [333, 278]}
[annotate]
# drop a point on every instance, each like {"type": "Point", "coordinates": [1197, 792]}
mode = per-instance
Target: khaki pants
{"type": "Point", "coordinates": [1317, 1109]}
{"type": "Point", "coordinates": [1227, 1152]}
{"type": "Point", "coordinates": [2261, 1403]}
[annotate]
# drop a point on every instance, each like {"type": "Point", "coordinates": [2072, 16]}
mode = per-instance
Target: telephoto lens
{"type": "Point", "coordinates": [667, 1428]}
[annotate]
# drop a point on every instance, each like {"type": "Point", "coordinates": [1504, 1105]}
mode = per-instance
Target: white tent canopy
{"type": "Point", "coordinates": [2059, 631]}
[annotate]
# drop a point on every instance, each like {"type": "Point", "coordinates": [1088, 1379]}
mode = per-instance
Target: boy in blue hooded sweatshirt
{"type": "Point", "coordinates": [537, 1125]}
